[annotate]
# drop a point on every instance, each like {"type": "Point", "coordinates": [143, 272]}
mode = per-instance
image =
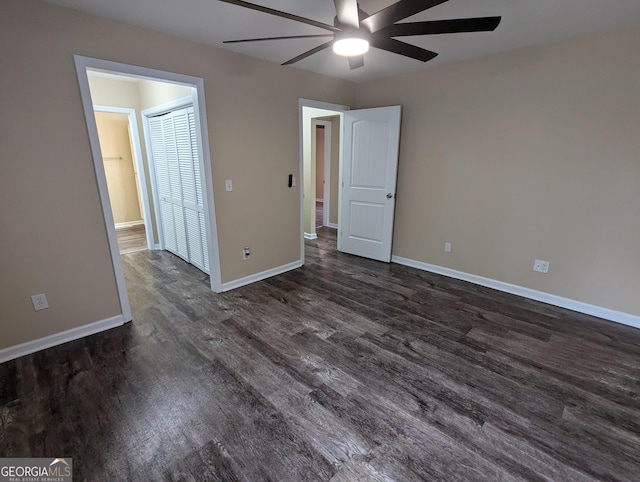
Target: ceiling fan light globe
{"type": "Point", "coordinates": [350, 47]}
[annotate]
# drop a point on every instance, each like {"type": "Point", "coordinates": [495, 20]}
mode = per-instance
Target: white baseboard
{"type": "Point", "coordinates": [231, 285]}
{"type": "Point", "coordinates": [129, 224]}
{"type": "Point", "coordinates": [579, 306]}
{"type": "Point", "coordinates": [310, 236]}
{"type": "Point", "coordinates": [332, 225]}
{"type": "Point", "coordinates": [29, 347]}
{"type": "Point", "coordinates": [319, 200]}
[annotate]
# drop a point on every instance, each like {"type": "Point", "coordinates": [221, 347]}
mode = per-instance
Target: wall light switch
{"type": "Point", "coordinates": [228, 185]}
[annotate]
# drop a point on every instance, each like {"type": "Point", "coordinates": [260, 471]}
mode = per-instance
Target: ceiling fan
{"type": "Point", "coordinates": [354, 30]}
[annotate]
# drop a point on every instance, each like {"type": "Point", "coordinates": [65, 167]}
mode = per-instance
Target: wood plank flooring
{"type": "Point", "coordinates": [319, 213]}
{"type": "Point", "coordinates": [132, 239]}
{"type": "Point", "coordinates": [343, 370]}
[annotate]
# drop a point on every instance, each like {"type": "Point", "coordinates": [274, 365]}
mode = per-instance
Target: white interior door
{"type": "Point", "coordinates": [370, 143]}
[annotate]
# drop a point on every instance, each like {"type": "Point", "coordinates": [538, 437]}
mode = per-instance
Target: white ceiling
{"type": "Point", "coordinates": [524, 23]}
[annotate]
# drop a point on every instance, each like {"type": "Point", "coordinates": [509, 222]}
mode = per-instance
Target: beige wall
{"type": "Point", "coordinates": [319, 162]}
{"type": "Point", "coordinates": [48, 189]}
{"type": "Point", "coordinates": [113, 131]}
{"type": "Point", "coordinates": [154, 93]}
{"type": "Point", "coordinates": [115, 93]}
{"type": "Point", "coordinates": [524, 155]}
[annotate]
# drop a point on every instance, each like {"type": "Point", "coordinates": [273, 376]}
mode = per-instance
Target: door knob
{"type": "Point", "coordinates": [389, 196]}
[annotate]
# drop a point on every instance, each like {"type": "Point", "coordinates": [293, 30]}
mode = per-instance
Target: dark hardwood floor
{"type": "Point", "coordinates": [344, 370]}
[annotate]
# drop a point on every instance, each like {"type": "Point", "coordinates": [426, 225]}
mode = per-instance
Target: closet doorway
{"type": "Point", "coordinates": [171, 136]}
{"type": "Point", "coordinates": [207, 219]}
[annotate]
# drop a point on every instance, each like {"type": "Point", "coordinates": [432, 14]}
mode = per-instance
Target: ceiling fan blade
{"type": "Point", "coordinates": [356, 62]}
{"type": "Point", "coordinates": [402, 48]}
{"type": "Point", "coordinates": [308, 53]}
{"type": "Point", "coordinates": [276, 38]}
{"type": "Point", "coordinates": [396, 12]}
{"type": "Point", "coordinates": [278, 13]}
{"type": "Point", "coordinates": [481, 24]}
{"type": "Point", "coordinates": [347, 11]}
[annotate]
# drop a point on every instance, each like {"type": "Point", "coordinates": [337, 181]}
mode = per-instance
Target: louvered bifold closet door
{"type": "Point", "coordinates": [188, 163]}
{"type": "Point", "coordinates": [173, 167]}
{"type": "Point", "coordinates": [163, 186]}
{"type": "Point", "coordinates": [179, 184]}
{"type": "Point", "coordinates": [199, 193]}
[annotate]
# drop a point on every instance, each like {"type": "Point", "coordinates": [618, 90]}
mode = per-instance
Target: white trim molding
{"type": "Point", "coordinates": [168, 107]}
{"type": "Point", "coordinates": [29, 347]}
{"type": "Point", "coordinates": [332, 225]}
{"type": "Point", "coordinates": [579, 306]}
{"type": "Point", "coordinates": [129, 224]}
{"type": "Point", "coordinates": [310, 236]}
{"type": "Point", "coordinates": [231, 285]}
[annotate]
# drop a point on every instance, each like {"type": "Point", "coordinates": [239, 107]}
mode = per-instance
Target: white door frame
{"type": "Point", "coordinates": [326, 187]}
{"type": "Point", "coordinates": [139, 160]}
{"type": "Point", "coordinates": [152, 111]}
{"type": "Point", "coordinates": [82, 64]}
{"type": "Point", "coordinates": [304, 131]}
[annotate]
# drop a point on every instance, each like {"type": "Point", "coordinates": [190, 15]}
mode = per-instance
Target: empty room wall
{"type": "Point", "coordinates": [532, 154]}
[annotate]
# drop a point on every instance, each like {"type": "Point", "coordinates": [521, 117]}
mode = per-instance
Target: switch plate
{"type": "Point", "coordinates": [541, 266]}
{"type": "Point", "coordinates": [293, 181]}
{"type": "Point", "coordinates": [246, 252]}
{"type": "Point", "coordinates": [228, 185]}
{"type": "Point", "coordinates": [447, 247]}
{"type": "Point", "coordinates": [39, 302]}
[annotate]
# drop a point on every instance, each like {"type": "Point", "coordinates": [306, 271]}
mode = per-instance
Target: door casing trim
{"type": "Point", "coordinates": [82, 64]}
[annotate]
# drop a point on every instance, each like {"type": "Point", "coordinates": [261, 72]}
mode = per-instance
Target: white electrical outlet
{"type": "Point", "coordinates": [447, 247]}
{"type": "Point", "coordinates": [541, 266]}
{"type": "Point", "coordinates": [228, 185]}
{"type": "Point", "coordinates": [246, 252]}
{"type": "Point", "coordinates": [39, 302]}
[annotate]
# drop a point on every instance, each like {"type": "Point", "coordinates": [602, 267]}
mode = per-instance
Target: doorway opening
{"type": "Point", "coordinates": [327, 159]}
{"type": "Point", "coordinates": [126, 177]}
{"type": "Point", "coordinates": [319, 146]}
{"type": "Point", "coordinates": [157, 86]}
{"type": "Point", "coordinates": [368, 163]}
